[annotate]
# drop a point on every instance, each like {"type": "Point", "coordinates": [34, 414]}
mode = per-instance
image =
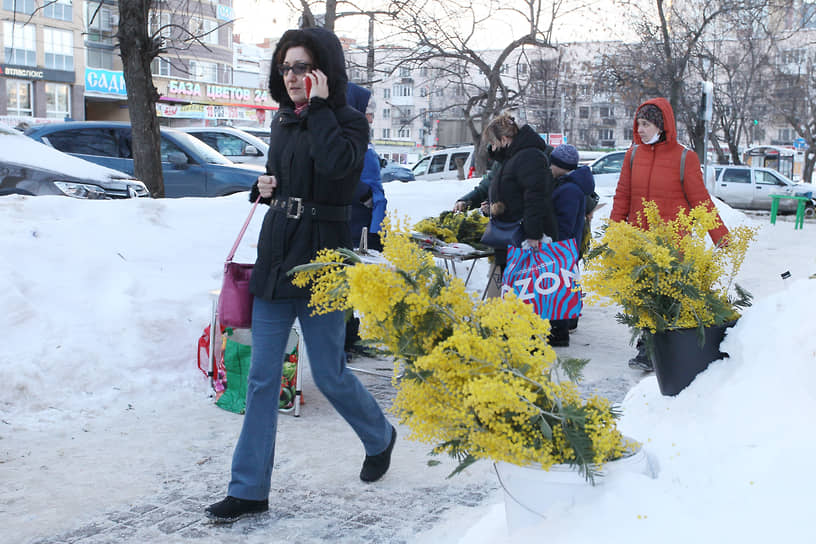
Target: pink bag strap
{"type": "Point", "coordinates": [243, 230]}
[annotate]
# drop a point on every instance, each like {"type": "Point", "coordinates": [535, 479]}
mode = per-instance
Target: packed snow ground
{"type": "Point", "coordinates": [103, 303]}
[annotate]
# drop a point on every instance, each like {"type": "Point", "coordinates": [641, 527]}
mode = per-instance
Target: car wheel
{"type": "Point", "coordinates": [810, 211]}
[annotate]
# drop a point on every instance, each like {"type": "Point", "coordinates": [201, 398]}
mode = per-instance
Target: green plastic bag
{"type": "Point", "coordinates": [237, 358]}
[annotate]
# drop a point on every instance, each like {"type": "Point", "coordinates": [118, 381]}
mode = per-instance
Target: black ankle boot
{"type": "Point", "coordinates": [375, 466]}
{"type": "Point", "coordinates": [233, 508]}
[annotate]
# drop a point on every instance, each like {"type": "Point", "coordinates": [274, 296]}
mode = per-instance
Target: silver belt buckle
{"type": "Point", "coordinates": [297, 203]}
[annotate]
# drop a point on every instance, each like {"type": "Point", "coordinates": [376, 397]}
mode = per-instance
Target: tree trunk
{"type": "Point", "coordinates": [810, 159]}
{"type": "Point", "coordinates": [137, 52]}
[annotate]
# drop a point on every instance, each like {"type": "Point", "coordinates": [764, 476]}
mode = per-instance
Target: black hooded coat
{"type": "Point", "coordinates": [316, 156]}
{"type": "Point", "coordinates": [524, 184]}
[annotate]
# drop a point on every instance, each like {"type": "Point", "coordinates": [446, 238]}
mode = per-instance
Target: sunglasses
{"type": "Point", "coordinates": [299, 68]}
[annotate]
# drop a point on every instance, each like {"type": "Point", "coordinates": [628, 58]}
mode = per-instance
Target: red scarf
{"type": "Point", "coordinates": [302, 107]}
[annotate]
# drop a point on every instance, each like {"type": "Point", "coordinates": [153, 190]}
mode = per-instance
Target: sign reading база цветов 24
{"type": "Point", "coordinates": [105, 81]}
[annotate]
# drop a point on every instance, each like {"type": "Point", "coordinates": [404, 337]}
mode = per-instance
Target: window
{"type": "Point", "coordinates": [404, 132]}
{"type": "Point", "coordinates": [438, 163]}
{"type": "Point", "coordinates": [423, 91]}
{"type": "Point", "coordinates": [583, 135]}
{"type": "Point", "coordinates": [22, 6]}
{"type": "Point", "coordinates": [19, 98]}
{"type": "Point", "coordinates": [736, 175]}
{"type": "Point", "coordinates": [606, 134]}
{"type": "Point", "coordinates": [583, 112]}
{"type": "Point", "coordinates": [606, 112]}
{"type": "Point", "coordinates": [459, 90]}
{"type": "Point", "coordinates": [160, 67]}
{"type": "Point", "coordinates": [767, 178]}
{"type": "Point", "coordinates": [168, 147]}
{"type": "Point", "coordinates": [786, 134]}
{"type": "Point", "coordinates": [58, 100]}
{"type": "Point", "coordinates": [423, 71]}
{"type": "Point", "coordinates": [405, 71]}
{"type": "Point", "coordinates": [19, 43]}
{"type": "Point", "coordinates": [455, 158]}
{"type": "Point", "coordinates": [809, 14]}
{"type": "Point", "coordinates": [97, 57]}
{"type": "Point", "coordinates": [440, 92]}
{"type": "Point", "coordinates": [403, 90]}
{"type": "Point", "coordinates": [160, 23]}
{"type": "Point", "coordinates": [204, 71]}
{"type": "Point", "coordinates": [386, 93]}
{"type": "Point", "coordinates": [386, 113]}
{"type": "Point", "coordinates": [58, 9]}
{"type": "Point", "coordinates": [100, 29]}
{"type": "Point", "coordinates": [522, 68]}
{"type": "Point", "coordinates": [205, 30]}
{"type": "Point", "coordinates": [504, 68]}
{"type": "Point", "coordinates": [59, 49]}
{"type": "Point", "coordinates": [226, 144]}
{"type": "Point", "coordinates": [87, 141]}
{"type": "Point", "coordinates": [628, 134]}
{"type": "Point", "coordinates": [386, 133]}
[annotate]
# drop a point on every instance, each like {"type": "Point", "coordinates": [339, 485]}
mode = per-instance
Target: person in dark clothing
{"type": "Point", "coordinates": [369, 202]}
{"type": "Point", "coordinates": [315, 158]}
{"type": "Point", "coordinates": [572, 186]}
{"type": "Point", "coordinates": [367, 207]}
{"type": "Point", "coordinates": [522, 186]}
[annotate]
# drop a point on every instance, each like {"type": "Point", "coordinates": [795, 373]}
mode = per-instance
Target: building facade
{"type": "Point", "coordinates": [41, 61]}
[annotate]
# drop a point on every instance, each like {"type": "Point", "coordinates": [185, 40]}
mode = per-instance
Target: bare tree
{"type": "Point", "coordinates": [442, 35]}
{"type": "Point", "coordinates": [670, 45]}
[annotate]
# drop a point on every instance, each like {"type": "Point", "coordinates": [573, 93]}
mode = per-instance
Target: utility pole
{"type": "Point", "coordinates": [705, 113]}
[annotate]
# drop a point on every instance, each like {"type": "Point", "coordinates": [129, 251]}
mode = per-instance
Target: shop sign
{"type": "Point", "coordinates": [30, 72]}
{"type": "Point", "coordinates": [105, 81]}
{"type": "Point", "coordinates": [205, 111]}
{"type": "Point", "coordinates": [225, 13]}
{"type": "Point", "coordinates": [216, 92]}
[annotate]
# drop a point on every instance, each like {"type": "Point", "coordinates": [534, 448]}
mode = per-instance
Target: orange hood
{"type": "Point", "coordinates": [669, 127]}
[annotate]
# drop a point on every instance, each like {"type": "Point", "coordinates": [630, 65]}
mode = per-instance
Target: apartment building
{"type": "Point", "coordinates": [42, 61]}
{"type": "Point", "coordinates": [194, 78]}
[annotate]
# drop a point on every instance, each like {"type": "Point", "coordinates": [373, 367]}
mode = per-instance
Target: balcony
{"type": "Point", "coordinates": [609, 122]}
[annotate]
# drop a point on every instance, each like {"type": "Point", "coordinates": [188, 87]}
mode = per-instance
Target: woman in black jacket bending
{"type": "Point", "coordinates": [315, 158]}
{"type": "Point", "coordinates": [522, 187]}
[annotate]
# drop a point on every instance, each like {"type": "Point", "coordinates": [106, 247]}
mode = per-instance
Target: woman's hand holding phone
{"type": "Point", "coordinates": [317, 84]}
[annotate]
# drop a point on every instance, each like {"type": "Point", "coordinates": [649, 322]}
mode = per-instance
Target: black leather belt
{"type": "Point", "coordinates": [295, 208]}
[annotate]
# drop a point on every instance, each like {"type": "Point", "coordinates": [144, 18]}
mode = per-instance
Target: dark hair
{"type": "Point", "coordinates": [296, 39]}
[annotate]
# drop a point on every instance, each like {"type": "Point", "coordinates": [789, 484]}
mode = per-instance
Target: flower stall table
{"type": "Point", "coordinates": [451, 255]}
{"type": "Point", "coordinates": [800, 209]}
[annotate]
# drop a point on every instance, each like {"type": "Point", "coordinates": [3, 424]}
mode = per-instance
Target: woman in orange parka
{"type": "Point", "coordinates": [654, 175]}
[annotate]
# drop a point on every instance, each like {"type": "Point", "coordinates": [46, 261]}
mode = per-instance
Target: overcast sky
{"type": "Point", "coordinates": [260, 19]}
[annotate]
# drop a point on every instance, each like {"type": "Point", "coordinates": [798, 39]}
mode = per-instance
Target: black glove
{"type": "Point", "coordinates": [374, 241]}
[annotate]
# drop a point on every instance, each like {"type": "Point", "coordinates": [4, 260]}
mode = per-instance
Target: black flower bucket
{"type": "Point", "coordinates": [678, 355]}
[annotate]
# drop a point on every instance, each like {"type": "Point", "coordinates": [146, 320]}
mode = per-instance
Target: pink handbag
{"type": "Point", "coordinates": [235, 300]}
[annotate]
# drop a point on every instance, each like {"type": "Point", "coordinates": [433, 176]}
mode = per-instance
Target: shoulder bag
{"type": "Point", "coordinates": [235, 300]}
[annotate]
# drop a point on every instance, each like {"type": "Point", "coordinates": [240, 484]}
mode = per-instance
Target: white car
{"type": "Point", "coordinates": [606, 170]}
{"type": "Point", "coordinates": [444, 164]}
{"type": "Point", "coordinates": [235, 144]}
{"type": "Point", "coordinates": [750, 188]}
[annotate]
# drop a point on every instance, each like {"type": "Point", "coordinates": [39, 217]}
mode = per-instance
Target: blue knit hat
{"type": "Point", "coordinates": [565, 156]}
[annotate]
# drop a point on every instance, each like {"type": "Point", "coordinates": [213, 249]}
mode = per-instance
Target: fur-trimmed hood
{"type": "Point", "coordinates": [328, 57]}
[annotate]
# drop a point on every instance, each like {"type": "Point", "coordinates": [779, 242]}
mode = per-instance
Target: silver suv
{"type": "Point", "coordinates": [750, 188]}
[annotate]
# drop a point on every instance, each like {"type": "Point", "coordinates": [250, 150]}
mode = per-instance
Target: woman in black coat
{"type": "Point", "coordinates": [522, 187]}
{"type": "Point", "coordinates": [315, 158]}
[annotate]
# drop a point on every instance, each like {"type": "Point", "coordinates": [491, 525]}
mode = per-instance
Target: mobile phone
{"type": "Point", "coordinates": [308, 82]}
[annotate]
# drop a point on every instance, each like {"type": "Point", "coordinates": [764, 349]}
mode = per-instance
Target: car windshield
{"type": "Point", "coordinates": [204, 151]}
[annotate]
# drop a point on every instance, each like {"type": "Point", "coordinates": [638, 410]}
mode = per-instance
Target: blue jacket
{"type": "Point", "coordinates": [569, 198]}
{"type": "Point", "coordinates": [368, 206]}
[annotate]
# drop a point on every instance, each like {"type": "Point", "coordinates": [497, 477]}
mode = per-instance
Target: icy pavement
{"type": "Point", "coordinates": [316, 494]}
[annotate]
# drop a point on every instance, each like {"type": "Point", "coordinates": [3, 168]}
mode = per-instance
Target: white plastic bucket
{"type": "Point", "coordinates": [531, 492]}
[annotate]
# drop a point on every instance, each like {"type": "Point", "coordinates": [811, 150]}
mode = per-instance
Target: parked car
{"type": "Point", "coordinates": [261, 133]}
{"type": "Point", "coordinates": [749, 188]}
{"type": "Point", "coordinates": [236, 145]}
{"type": "Point", "coordinates": [393, 171]}
{"type": "Point", "coordinates": [190, 167]}
{"type": "Point", "coordinates": [606, 171]}
{"type": "Point", "coordinates": [32, 168]}
{"type": "Point", "coordinates": [442, 164]}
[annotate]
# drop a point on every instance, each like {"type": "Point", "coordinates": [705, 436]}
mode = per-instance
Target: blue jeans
{"type": "Point", "coordinates": [324, 335]}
